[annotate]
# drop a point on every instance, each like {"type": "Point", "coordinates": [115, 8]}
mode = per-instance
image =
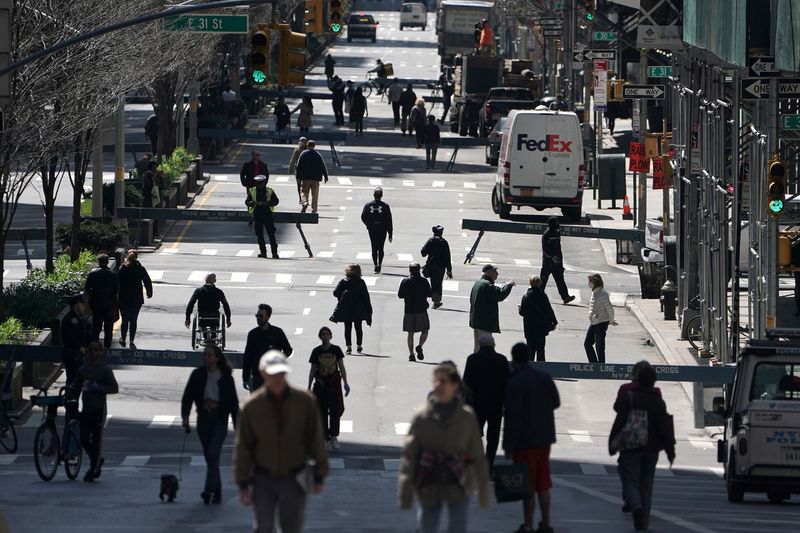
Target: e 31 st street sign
{"type": "Point", "coordinates": [206, 23]}
{"type": "Point", "coordinates": [759, 88]}
{"type": "Point", "coordinates": [790, 122]}
{"type": "Point", "coordinates": [659, 72]}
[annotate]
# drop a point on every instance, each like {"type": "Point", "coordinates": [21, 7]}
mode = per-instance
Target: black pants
{"type": "Point", "coordinates": [596, 339]}
{"type": "Point", "coordinates": [130, 316]}
{"type": "Point", "coordinates": [328, 401]}
{"type": "Point", "coordinates": [557, 270]}
{"type": "Point", "coordinates": [348, 332]}
{"type": "Point", "coordinates": [437, 277]}
{"type": "Point", "coordinates": [492, 422]}
{"type": "Point", "coordinates": [338, 113]}
{"type": "Point", "coordinates": [377, 240]}
{"type": "Point", "coordinates": [420, 135]}
{"type": "Point", "coordinates": [536, 346]}
{"type": "Point", "coordinates": [212, 429]}
{"type": "Point", "coordinates": [396, 112]}
{"type": "Point", "coordinates": [260, 222]}
{"type": "Point", "coordinates": [91, 423]}
{"type": "Point", "coordinates": [358, 121]}
{"type": "Point", "coordinates": [103, 319]}
{"type": "Point", "coordinates": [72, 362]}
{"type": "Point", "coordinates": [446, 105]}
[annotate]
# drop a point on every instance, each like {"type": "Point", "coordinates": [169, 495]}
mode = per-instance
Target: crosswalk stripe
{"type": "Point", "coordinates": [344, 181]}
{"type": "Point", "coordinates": [135, 460]}
{"type": "Point", "coordinates": [590, 469]}
{"type": "Point", "coordinates": [664, 472]}
{"type": "Point", "coordinates": [450, 285]}
{"type": "Point", "coordinates": [325, 280]}
{"type": "Point", "coordinates": [401, 428]}
{"type": "Point", "coordinates": [208, 251]}
{"type": "Point", "coordinates": [306, 310]}
{"type": "Point", "coordinates": [408, 183]}
{"type": "Point", "coordinates": [522, 262]}
{"type": "Point", "coordinates": [286, 254]}
{"type": "Point", "coordinates": [298, 331]}
{"type": "Point", "coordinates": [370, 280]}
{"type": "Point", "coordinates": [469, 185]}
{"type": "Point", "coordinates": [439, 184]}
{"type": "Point", "coordinates": [363, 255]}
{"type": "Point", "coordinates": [580, 436]}
{"type": "Point", "coordinates": [392, 465]}
{"type": "Point", "coordinates": [283, 278]}
{"type": "Point", "coordinates": [169, 251]}
{"type": "Point", "coordinates": [336, 463]}
{"type": "Point", "coordinates": [239, 277]}
{"type": "Point", "coordinates": [6, 460]}
{"type": "Point", "coordinates": [483, 259]}
{"type": "Point", "coordinates": [345, 426]}
{"type": "Point", "coordinates": [375, 181]}
{"type": "Point", "coordinates": [156, 275]}
{"type": "Point", "coordinates": [325, 254]}
{"type": "Point", "coordinates": [282, 179]}
{"type": "Point", "coordinates": [162, 421]}
{"type": "Point", "coordinates": [405, 257]}
{"type": "Point", "coordinates": [245, 253]}
{"type": "Point", "coordinates": [197, 275]}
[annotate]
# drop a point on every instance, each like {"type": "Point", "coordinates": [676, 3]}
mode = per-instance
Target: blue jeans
{"type": "Point", "coordinates": [596, 338]}
{"type": "Point", "coordinates": [212, 431]}
{"type": "Point", "coordinates": [429, 517]}
{"type": "Point", "coordinates": [637, 470]}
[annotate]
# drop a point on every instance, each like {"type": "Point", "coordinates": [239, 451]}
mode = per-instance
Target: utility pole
{"type": "Point", "coordinates": [642, 181]}
{"type": "Point", "coordinates": [97, 177]}
{"type": "Point", "coordinates": [119, 161]}
{"type": "Point", "coordinates": [194, 143]}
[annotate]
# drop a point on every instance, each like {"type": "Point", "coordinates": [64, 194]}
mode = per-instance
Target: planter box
{"type": "Point", "coordinates": [11, 396]}
{"type": "Point", "coordinates": [172, 199]}
{"type": "Point", "coordinates": [181, 187]}
{"type": "Point", "coordinates": [40, 373]}
{"type": "Point", "coordinates": [140, 232]}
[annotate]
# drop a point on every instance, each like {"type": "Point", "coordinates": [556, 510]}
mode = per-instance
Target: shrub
{"type": "Point", "coordinates": [12, 331]}
{"type": "Point", "coordinates": [174, 165]}
{"type": "Point", "coordinates": [95, 236]}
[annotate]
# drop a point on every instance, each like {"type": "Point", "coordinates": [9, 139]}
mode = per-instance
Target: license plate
{"type": "Point", "coordinates": [526, 191]}
{"type": "Point", "coordinates": [791, 455]}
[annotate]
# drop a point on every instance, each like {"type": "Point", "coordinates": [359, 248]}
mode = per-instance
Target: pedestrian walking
{"type": "Point", "coordinates": [349, 92]}
{"type": "Point", "coordinates": [358, 108]}
{"type": "Point", "coordinates": [302, 144]}
{"type": "Point", "coordinates": [485, 378]}
{"type": "Point", "coordinates": [377, 217]}
{"type": "Point", "coordinates": [213, 393]}
{"type": "Point", "coordinates": [487, 44]}
{"type": "Point", "coordinates": [102, 292]}
{"type": "Point", "coordinates": [443, 464]}
{"type": "Point", "coordinates": [431, 139]}
{"type": "Point", "coordinates": [282, 115]}
{"type": "Point", "coordinates": [437, 250]}
{"type": "Point", "coordinates": [353, 306]}
{"type": "Point", "coordinates": [151, 133]}
{"type": "Point", "coordinates": [484, 315]}
{"type": "Point", "coordinates": [311, 171]}
{"type": "Point", "coordinates": [325, 380]}
{"type": "Point", "coordinates": [415, 291]}
{"type": "Point", "coordinates": [601, 314]}
{"type": "Point", "coordinates": [407, 101]}
{"type": "Point", "coordinates": [416, 121]}
{"type": "Point", "coordinates": [279, 431]}
{"type": "Point", "coordinates": [306, 108]}
{"type": "Point", "coordinates": [209, 298]}
{"type": "Point", "coordinates": [151, 195]}
{"type": "Point", "coordinates": [476, 37]}
{"type": "Point", "coordinates": [132, 277]}
{"type": "Point", "coordinates": [93, 382]}
{"type": "Point", "coordinates": [261, 339]}
{"type": "Point", "coordinates": [394, 92]}
{"type": "Point", "coordinates": [251, 169]}
{"type": "Point", "coordinates": [74, 336]}
{"type": "Point", "coordinates": [142, 165]}
{"type": "Point", "coordinates": [337, 100]}
{"type": "Point", "coordinates": [641, 429]}
{"type": "Point", "coordinates": [538, 318]}
{"type": "Point", "coordinates": [329, 63]}
{"type": "Point", "coordinates": [530, 431]}
{"type": "Point", "coordinates": [448, 88]}
{"type": "Point", "coordinates": [261, 201]}
{"type": "Point", "coordinates": [553, 259]}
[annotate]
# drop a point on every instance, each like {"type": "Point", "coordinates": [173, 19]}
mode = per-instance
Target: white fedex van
{"type": "Point", "coordinates": [541, 163]}
{"type": "Point", "coordinates": [413, 14]}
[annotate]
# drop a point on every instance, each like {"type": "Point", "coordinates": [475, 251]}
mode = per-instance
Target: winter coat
{"type": "Point", "coordinates": [417, 117]}
{"type": "Point", "coordinates": [600, 308]}
{"type": "Point", "coordinates": [660, 427]}
{"type": "Point", "coordinates": [407, 101]}
{"type": "Point", "coordinates": [131, 278]}
{"type": "Point", "coordinates": [455, 435]}
{"type": "Point", "coordinates": [437, 250]}
{"type": "Point", "coordinates": [354, 304]}
{"type": "Point", "coordinates": [311, 166]}
{"type": "Point", "coordinates": [486, 376]}
{"type": "Point", "coordinates": [414, 291]}
{"type": "Point", "coordinates": [483, 310]}
{"type": "Point", "coordinates": [531, 399]}
{"type": "Point", "coordinates": [537, 314]}
{"type": "Point", "coordinates": [304, 117]}
{"type": "Point", "coordinates": [195, 390]}
{"type": "Point", "coordinates": [358, 106]}
{"type": "Point", "coordinates": [102, 288]}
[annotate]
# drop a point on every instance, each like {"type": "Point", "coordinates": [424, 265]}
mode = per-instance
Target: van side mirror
{"type": "Point", "coordinates": [718, 406]}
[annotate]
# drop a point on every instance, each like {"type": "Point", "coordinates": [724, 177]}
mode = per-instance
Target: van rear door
{"type": "Point", "coordinates": [564, 156]}
{"type": "Point", "coordinates": [527, 133]}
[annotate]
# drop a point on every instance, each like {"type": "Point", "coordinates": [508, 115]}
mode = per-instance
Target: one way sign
{"type": "Point", "coordinates": [581, 56]}
{"type": "Point", "coordinates": [762, 66]}
{"type": "Point", "coordinates": [644, 92]}
{"type": "Point", "coordinates": [758, 88]}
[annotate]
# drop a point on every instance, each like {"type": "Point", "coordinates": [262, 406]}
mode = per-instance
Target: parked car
{"type": "Point", "coordinates": [413, 14]}
{"type": "Point", "coordinates": [499, 101]}
{"type": "Point", "coordinates": [362, 26]}
{"type": "Point", "coordinates": [493, 146]}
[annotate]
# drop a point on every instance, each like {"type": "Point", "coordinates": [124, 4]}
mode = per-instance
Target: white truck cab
{"type": "Point", "coordinates": [413, 14]}
{"type": "Point", "coordinates": [761, 444]}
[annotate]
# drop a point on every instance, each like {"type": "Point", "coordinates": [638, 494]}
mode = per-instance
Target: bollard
{"type": "Point", "coordinates": [669, 298]}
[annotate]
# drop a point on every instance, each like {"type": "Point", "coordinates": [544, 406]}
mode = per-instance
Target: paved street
{"type": "Point", "coordinates": [143, 438]}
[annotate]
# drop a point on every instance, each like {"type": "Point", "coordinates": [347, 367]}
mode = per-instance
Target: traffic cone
{"type": "Point", "coordinates": [626, 209]}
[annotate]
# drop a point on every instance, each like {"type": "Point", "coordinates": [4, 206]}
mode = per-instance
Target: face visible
{"type": "Point", "coordinates": [95, 351]}
{"type": "Point", "coordinates": [256, 156]}
{"type": "Point", "coordinates": [262, 317]}
{"type": "Point", "coordinates": [443, 388]}
{"type": "Point", "coordinates": [209, 357]}
{"type": "Point", "coordinates": [276, 382]}
{"type": "Point", "coordinates": [212, 279]}
{"type": "Point", "coordinates": [325, 336]}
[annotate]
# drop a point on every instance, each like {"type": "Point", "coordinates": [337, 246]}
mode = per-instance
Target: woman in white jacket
{"type": "Point", "coordinates": [601, 314]}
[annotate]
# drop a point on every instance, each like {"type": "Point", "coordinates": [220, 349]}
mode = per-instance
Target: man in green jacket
{"type": "Point", "coordinates": [484, 316]}
{"type": "Point", "coordinates": [278, 430]}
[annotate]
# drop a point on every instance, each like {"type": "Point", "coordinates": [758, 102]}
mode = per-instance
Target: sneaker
{"type": "Point", "coordinates": [569, 299]}
{"type": "Point", "coordinates": [335, 443]}
{"type": "Point", "coordinates": [349, 350]}
{"type": "Point", "coordinates": [523, 529]}
{"type": "Point", "coordinates": [437, 305]}
{"type": "Point", "coordinates": [275, 255]}
{"type": "Point", "coordinates": [420, 355]}
{"type": "Point", "coordinates": [543, 529]}
{"type": "Point", "coordinates": [359, 349]}
{"type": "Point", "coordinates": [262, 256]}
{"type": "Point", "coordinates": [122, 342]}
{"type": "Point", "coordinates": [133, 346]}
{"type": "Point", "coordinates": [377, 269]}
{"type": "Point", "coordinates": [638, 520]}
{"type": "Point", "coordinates": [89, 477]}
{"type": "Point", "coordinates": [412, 358]}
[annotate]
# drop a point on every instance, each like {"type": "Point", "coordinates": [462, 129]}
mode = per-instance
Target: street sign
{"type": "Point", "coordinates": [638, 158]}
{"type": "Point", "coordinates": [762, 66]}
{"type": "Point", "coordinates": [208, 23]}
{"type": "Point", "coordinates": [788, 122]}
{"type": "Point", "coordinates": [636, 116]}
{"type": "Point", "coordinates": [659, 72]}
{"type": "Point", "coordinates": [604, 35]}
{"type": "Point", "coordinates": [758, 88]}
{"type": "Point", "coordinates": [547, 32]}
{"type": "Point", "coordinates": [645, 92]}
{"type": "Point", "coordinates": [590, 55]}
{"type": "Point", "coordinates": [600, 64]}
{"type": "Point", "coordinates": [600, 90]}
{"type": "Point", "coordinates": [554, 21]}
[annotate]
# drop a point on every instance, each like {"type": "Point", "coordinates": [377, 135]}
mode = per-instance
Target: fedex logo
{"type": "Point", "coordinates": [551, 143]}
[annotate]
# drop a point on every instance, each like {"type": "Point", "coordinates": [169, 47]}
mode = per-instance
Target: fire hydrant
{"type": "Point", "coordinates": [669, 297]}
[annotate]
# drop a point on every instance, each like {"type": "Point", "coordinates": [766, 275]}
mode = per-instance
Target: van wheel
{"type": "Point", "coordinates": [735, 490]}
{"type": "Point", "coordinates": [495, 203]}
{"type": "Point", "coordinates": [572, 213]}
{"type": "Point", "coordinates": [493, 161]}
{"type": "Point", "coordinates": [503, 209]}
{"type": "Point", "coordinates": [462, 121]}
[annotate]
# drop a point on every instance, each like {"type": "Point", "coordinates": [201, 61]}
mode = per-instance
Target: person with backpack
{"type": "Point", "coordinates": [132, 276]}
{"type": "Point", "coordinates": [358, 108]}
{"type": "Point", "coordinates": [431, 140]}
{"type": "Point", "coordinates": [415, 291]}
{"type": "Point", "coordinates": [538, 318]}
{"type": "Point", "coordinates": [407, 100]}
{"type": "Point", "coordinates": [417, 121]}
{"type": "Point", "coordinates": [353, 306]}
{"type": "Point", "coordinates": [641, 429]}
{"type": "Point", "coordinates": [437, 250]}
{"type": "Point", "coordinates": [327, 375]}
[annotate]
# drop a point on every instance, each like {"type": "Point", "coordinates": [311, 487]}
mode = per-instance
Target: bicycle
{"type": "Point", "coordinates": [8, 435]}
{"type": "Point", "coordinates": [436, 91]}
{"type": "Point", "coordinates": [48, 449]}
{"type": "Point", "coordinates": [374, 82]}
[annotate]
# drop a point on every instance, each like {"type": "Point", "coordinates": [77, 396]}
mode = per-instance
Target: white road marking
{"type": "Point", "coordinates": [312, 293]}
{"type": "Point", "coordinates": [336, 463]}
{"type": "Point", "coordinates": [306, 310]}
{"type": "Point", "coordinates": [169, 251]}
{"type": "Point", "coordinates": [298, 331]}
{"type": "Point", "coordinates": [370, 280]}
{"type": "Point", "coordinates": [325, 255]}
{"type": "Point", "coordinates": [469, 185]}
{"type": "Point", "coordinates": [401, 428]}
{"type": "Point", "coordinates": [522, 262]}
{"type": "Point", "coordinates": [245, 253]}
{"type": "Point", "coordinates": [344, 181]}
{"type": "Point", "coordinates": [220, 178]}
{"type": "Point", "coordinates": [335, 230]}
{"type": "Point", "coordinates": [439, 184]}
{"type": "Point", "coordinates": [283, 278]}
{"type": "Point", "coordinates": [239, 277]}
{"type": "Point", "coordinates": [408, 183]}
{"type": "Point", "coordinates": [664, 472]}
{"type": "Point", "coordinates": [375, 181]}
{"type": "Point", "coordinates": [345, 426]}
{"type": "Point", "coordinates": [156, 275]}
{"type": "Point", "coordinates": [282, 179]}
{"type": "Point", "coordinates": [580, 436]}
{"type": "Point", "coordinates": [334, 245]}
{"type": "Point", "coordinates": [208, 251]}
{"type": "Point", "coordinates": [483, 259]}
{"type": "Point", "coordinates": [717, 471]}
{"type": "Point", "coordinates": [340, 219]}
{"type": "Point", "coordinates": [286, 254]}
{"type": "Point", "coordinates": [325, 280]}
{"type": "Point", "coordinates": [391, 465]}
{"type": "Point", "coordinates": [363, 255]}
{"type": "Point", "coordinates": [135, 460]}
{"type": "Point", "coordinates": [197, 275]}
{"type": "Point", "coordinates": [590, 469]}
{"type": "Point", "coordinates": [162, 421]}
{"type": "Point", "coordinates": [405, 257]}
{"type": "Point", "coordinates": [342, 207]}
{"type": "Point", "coordinates": [6, 460]}
{"type": "Point", "coordinates": [450, 285]}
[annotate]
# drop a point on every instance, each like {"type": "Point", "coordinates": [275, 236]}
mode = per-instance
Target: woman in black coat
{"type": "Point", "coordinates": [438, 253]}
{"type": "Point", "coordinates": [213, 393]}
{"type": "Point", "coordinates": [354, 306]}
{"type": "Point", "coordinates": [132, 275]}
{"type": "Point", "coordinates": [538, 318]}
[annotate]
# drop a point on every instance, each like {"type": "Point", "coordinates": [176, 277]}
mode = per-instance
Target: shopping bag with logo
{"type": "Point", "coordinates": [512, 482]}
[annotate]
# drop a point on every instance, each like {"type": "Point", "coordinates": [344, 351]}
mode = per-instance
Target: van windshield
{"type": "Point", "coordinates": [776, 381]}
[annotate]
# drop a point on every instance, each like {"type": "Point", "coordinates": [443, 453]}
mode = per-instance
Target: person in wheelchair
{"type": "Point", "coordinates": [208, 299]}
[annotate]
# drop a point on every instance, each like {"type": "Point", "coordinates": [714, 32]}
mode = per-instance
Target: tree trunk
{"type": "Point", "coordinates": [77, 195]}
{"type": "Point", "coordinates": [164, 97]}
{"type": "Point", "coordinates": [49, 173]}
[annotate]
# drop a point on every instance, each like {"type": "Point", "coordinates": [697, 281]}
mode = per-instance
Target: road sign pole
{"type": "Point", "coordinates": [642, 182]}
{"type": "Point", "coordinates": [119, 161]}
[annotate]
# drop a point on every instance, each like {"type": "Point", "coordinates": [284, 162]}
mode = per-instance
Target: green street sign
{"type": "Point", "coordinates": [558, 6]}
{"type": "Point", "coordinates": [202, 23]}
{"type": "Point", "coordinates": [790, 122]}
{"type": "Point", "coordinates": [605, 35]}
{"type": "Point", "coordinates": [659, 72]}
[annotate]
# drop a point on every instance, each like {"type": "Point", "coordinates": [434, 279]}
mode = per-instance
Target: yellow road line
{"type": "Point", "coordinates": [201, 203]}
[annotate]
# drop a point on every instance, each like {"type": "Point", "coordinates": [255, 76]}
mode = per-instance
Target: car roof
{"type": "Point", "coordinates": [468, 3]}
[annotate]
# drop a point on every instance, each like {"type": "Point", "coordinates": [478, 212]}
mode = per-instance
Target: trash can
{"type": "Point", "coordinates": [626, 250]}
{"type": "Point", "coordinates": [611, 178]}
{"type": "Point", "coordinates": [669, 299]}
{"type": "Point", "coordinates": [650, 280]}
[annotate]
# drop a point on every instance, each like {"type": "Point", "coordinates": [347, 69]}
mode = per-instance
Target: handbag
{"type": "Point", "coordinates": [426, 270]}
{"type": "Point", "coordinates": [633, 434]}
{"type": "Point", "coordinates": [512, 482]}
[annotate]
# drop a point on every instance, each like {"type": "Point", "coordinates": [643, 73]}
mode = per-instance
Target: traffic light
{"type": "Point", "coordinates": [313, 17]}
{"type": "Point", "coordinates": [776, 186]}
{"type": "Point", "coordinates": [335, 24]}
{"type": "Point", "coordinates": [259, 56]}
{"type": "Point", "coordinates": [590, 9]}
{"type": "Point", "coordinates": [292, 62]}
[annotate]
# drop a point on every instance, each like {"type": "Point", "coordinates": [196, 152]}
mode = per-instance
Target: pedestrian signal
{"type": "Point", "coordinates": [259, 57]}
{"type": "Point", "coordinates": [590, 9]}
{"type": "Point", "coordinates": [776, 186]}
{"type": "Point", "coordinates": [335, 16]}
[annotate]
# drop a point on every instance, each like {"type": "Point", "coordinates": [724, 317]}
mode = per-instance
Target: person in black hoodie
{"type": "Point", "coordinates": [415, 291]}
{"type": "Point", "coordinates": [353, 306]}
{"type": "Point", "coordinates": [437, 250]}
{"type": "Point", "coordinates": [132, 275]}
{"type": "Point", "coordinates": [102, 291]}
{"type": "Point", "coordinates": [212, 391]}
{"type": "Point", "coordinates": [431, 139]}
{"type": "Point", "coordinates": [377, 217]}
{"type": "Point", "coordinates": [260, 340]}
{"type": "Point", "coordinates": [407, 101]}
{"type": "Point", "coordinates": [553, 259]}
{"type": "Point", "coordinates": [638, 450]}
{"type": "Point", "coordinates": [538, 318]}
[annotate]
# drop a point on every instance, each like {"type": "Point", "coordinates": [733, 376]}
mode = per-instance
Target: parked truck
{"type": "Point", "coordinates": [455, 26]}
{"type": "Point", "coordinates": [474, 75]}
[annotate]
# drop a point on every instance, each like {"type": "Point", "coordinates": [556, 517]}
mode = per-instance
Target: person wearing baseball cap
{"type": "Point", "coordinates": [278, 431]}
{"type": "Point", "coordinates": [437, 250]}
{"type": "Point", "coordinates": [484, 314]}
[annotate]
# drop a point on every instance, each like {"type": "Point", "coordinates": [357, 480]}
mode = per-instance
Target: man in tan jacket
{"type": "Point", "coordinates": [278, 431]}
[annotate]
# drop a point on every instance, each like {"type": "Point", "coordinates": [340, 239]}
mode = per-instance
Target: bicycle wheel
{"type": "Point", "coordinates": [46, 451]}
{"type": "Point", "coordinates": [73, 454]}
{"type": "Point", "coordinates": [694, 332]}
{"type": "Point", "coordinates": [366, 89]}
{"type": "Point", "coordinates": [8, 435]}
